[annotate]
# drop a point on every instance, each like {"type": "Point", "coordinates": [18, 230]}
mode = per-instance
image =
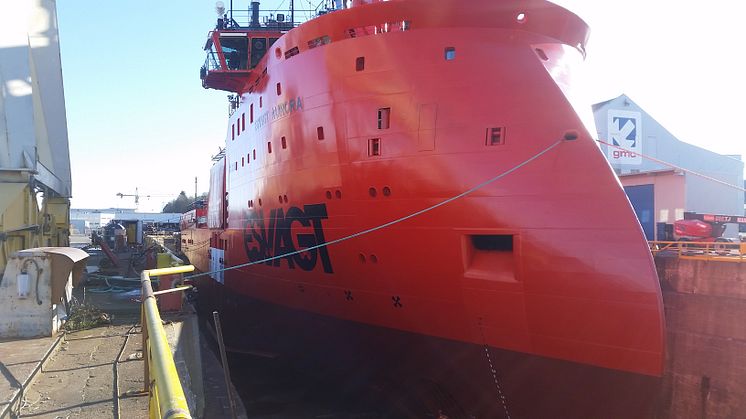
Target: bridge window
{"type": "Point", "coordinates": [360, 64]}
{"type": "Point", "coordinates": [236, 51]}
{"type": "Point", "coordinates": [320, 133]}
{"type": "Point", "coordinates": [279, 89]}
{"type": "Point", "coordinates": [258, 49]}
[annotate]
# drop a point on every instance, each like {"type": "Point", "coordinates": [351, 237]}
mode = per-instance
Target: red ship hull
{"type": "Point", "coordinates": [546, 266]}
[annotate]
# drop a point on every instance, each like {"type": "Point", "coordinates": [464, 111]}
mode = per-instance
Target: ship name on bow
{"type": "Point", "coordinates": [281, 110]}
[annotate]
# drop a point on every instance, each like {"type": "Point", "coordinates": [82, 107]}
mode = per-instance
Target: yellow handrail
{"type": "Point", "coordinates": [714, 251]}
{"type": "Point", "coordinates": [167, 400]}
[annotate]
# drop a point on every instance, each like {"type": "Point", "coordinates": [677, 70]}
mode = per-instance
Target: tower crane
{"type": "Point", "coordinates": [137, 195]}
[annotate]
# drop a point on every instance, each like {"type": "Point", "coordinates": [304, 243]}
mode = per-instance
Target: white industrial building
{"type": "Point", "coordinates": [697, 180]}
{"type": "Point", "coordinates": [89, 219]}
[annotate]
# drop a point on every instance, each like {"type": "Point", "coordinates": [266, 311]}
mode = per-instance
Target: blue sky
{"type": "Point", "coordinates": [138, 116]}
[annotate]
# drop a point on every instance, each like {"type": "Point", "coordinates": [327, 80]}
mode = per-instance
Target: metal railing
{"type": "Point", "coordinates": [167, 400]}
{"type": "Point", "coordinates": [714, 251]}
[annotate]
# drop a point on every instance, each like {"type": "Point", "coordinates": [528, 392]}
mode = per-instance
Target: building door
{"type": "Point", "coordinates": [643, 201]}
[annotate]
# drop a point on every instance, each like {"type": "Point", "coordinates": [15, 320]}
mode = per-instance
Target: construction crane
{"type": "Point", "coordinates": [137, 195]}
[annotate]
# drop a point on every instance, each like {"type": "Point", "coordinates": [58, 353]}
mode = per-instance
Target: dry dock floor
{"type": "Point", "coordinates": [79, 380]}
{"type": "Point", "coordinates": [98, 372]}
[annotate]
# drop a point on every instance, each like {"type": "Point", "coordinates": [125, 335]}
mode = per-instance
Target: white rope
{"type": "Point", "coordinates": [390, 223]}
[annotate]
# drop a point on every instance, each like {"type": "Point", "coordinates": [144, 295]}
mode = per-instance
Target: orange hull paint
{"type": "Point", "coordinates": [577, 281]}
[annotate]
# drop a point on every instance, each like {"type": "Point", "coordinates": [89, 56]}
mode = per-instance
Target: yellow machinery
{"type": "Point", "coordinates": [35, 182]}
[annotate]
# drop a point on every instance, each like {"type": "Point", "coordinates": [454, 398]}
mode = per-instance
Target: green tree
{"type": "Point", "coordinates": [179, 205]}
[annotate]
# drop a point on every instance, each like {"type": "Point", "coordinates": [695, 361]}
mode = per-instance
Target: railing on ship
{"type": "Point", "coordinates": [275, 18]}
{"type": "Point", "coordinates": [712, 251]}
{"type": "Point", "coordinates": [162, 382]}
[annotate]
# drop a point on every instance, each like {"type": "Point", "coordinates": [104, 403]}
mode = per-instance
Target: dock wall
{"type": "Point", "coordinates": [705, 304]}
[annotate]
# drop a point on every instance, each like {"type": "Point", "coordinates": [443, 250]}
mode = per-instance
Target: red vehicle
{"type": "Point", "coordinates": [705, 227]}
{"type": "Point", "coordinates": [407, 189]}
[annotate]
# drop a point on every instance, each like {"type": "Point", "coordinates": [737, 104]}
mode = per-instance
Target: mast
{"type": "Point", "coordinates": [292, 13]}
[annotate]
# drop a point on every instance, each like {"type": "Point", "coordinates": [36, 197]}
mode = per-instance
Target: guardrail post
{"type": "Point", "coordinates": [145, 351]}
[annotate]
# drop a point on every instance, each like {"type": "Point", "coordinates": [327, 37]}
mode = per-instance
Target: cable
{"type": "Point", "coordinates": [390, 223]}
{"type": "Point", "coordinates": [740, 188]}
{"type": "Point", "coordinates": [278, 7]}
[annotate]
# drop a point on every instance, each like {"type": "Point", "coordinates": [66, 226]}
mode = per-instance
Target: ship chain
{"type": "Point", "coordinates": [493, 370]}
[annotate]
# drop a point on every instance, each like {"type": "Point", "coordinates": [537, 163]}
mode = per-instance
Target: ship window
{"type": "Point", "coordinates": [242, 162]}
{"type": "Point", "coordinates": [360, 64]}
{"type": "Point", "coordinates": [236, 164]}
{"type": "Point", "coordinates": [248, 158]}
{"type": "Point", "coordinates": [243, 121]}
{"type": "Point", "coordinates": [543, 55]}
{"type": "Point", "coordinates": [450, 53]}
{"type": "Point", "coordinates": [284, 143]}
{"type": "Point", "coordinates": [269, 147]}
{"type": "Point", "coordinates": [236, 52]}
{"type": "Point", "coordinates": [279, 89]}
{"type": "Point", "coordinates": [406, 25]}
{"type": "Point", "coordinates": [317, 42]}
{"type": "Point", "coordinates": [374, 147]}
{"type": "Point", "coordinates": [495, 136]}
{"type": "Point", "coordinates": [260, 101]}
{"type": "Point", "coordinates": [233, 132]}
{"type": "Point", "coordinates": [320, 133]}
{"type": "Point", "coordinates": [253, 152]}
{"type": "Point", "coordinates": [493, 242]}
{"type": "Point", "coordinates": [384, 118]}
{"type": "Point", "coordinates": [292, 51]}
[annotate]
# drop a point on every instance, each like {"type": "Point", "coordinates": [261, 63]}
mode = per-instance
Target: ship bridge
{"type": "Point", "coordinates": [234, 50]}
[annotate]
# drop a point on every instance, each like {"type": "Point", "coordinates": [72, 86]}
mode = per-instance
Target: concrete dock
{"type": "Point", "coordinates": [99, 372]}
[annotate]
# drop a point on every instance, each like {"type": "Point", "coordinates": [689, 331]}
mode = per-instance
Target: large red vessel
{"type": "Point", "coordinates": [525, 288]}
